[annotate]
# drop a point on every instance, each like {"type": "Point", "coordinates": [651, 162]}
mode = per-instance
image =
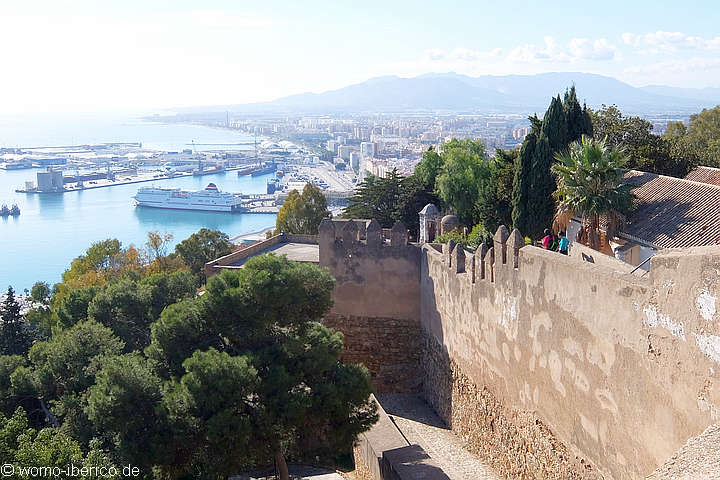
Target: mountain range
{"type": "Point", "coordinates": [451, 92]}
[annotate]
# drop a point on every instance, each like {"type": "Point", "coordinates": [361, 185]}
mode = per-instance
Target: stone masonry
{"type": "Point", "coordinates": [548, 367]}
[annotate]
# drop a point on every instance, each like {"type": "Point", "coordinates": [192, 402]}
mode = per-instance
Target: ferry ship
{"type": "Point", "coordinates": [210, 200]}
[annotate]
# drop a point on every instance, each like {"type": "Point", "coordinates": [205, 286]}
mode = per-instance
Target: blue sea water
{"type": "Point", "coordinates": [55, 228]}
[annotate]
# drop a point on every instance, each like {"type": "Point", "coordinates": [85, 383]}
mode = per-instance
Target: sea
{"type": "Point", "coordinates": [53, 229]}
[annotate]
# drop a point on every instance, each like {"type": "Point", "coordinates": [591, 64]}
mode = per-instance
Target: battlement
{"type": "Point", "coordinates": [593, 370]}
{"type": "Point", "coordinates": [587, 369]}
{"type": "Point", "coordinates": [620, 368]}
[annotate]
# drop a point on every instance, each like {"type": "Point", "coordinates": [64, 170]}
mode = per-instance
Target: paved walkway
{"type": "Point", "coordinates": [297, 472]}
{"type": "Point", "coordinates": [421, 425]}
{"type": "Point", "coordinates": [698, 459]}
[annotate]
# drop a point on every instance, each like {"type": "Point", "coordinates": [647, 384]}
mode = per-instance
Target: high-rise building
{"type": "Point", "coordinates": [355, 160]}
{"type": "Point", "coordinates": [344, 152]}
{"type": "Point", "coordinates": [367, 149]}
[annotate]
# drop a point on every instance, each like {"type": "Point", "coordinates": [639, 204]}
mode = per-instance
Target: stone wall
{"type": "Point", "coordinates": [554, 367]}
{"type": "Point", "coordinates": [515, 443]}
{"type": "Point", "coordinates": [388, 347]}
{"type": "Point", "coordinates": [377, 300]}
{"type": "Point", "coordinates": [548, 366]}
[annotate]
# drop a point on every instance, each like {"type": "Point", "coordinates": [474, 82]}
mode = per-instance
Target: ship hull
{"type": "Point", "coordinates": [208, 200]}
{"type": "Point", "coordinates": [262, 171]}
{"type": "Point", "coordinates": [193, 208]}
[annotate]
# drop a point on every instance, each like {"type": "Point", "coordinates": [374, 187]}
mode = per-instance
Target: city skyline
{"type": "Point", "coordinates": [81, 56]}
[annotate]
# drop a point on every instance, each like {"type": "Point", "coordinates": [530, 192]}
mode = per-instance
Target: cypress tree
{"type": "Point", "coordinates": [587, 120]}
{"type": "Point", "coordinates": [564, 122]}
{"type": "Point", "coordinates": [574, 114]}
{"type": "Point", "coordinates": [554, 125]}
{"type": "Point", "coordinates": [541, 206]}
{"type": "Point", "coordinates": [522, 182]}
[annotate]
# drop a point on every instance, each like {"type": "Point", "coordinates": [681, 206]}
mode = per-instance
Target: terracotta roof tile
{"type": "Point", "coordinates": [672, 212]}
{"type": "Point", "coordinates": [705, 175]}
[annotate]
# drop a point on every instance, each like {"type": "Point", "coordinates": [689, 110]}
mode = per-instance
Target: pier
{"type": "Point", "coordinates": [125, 180]}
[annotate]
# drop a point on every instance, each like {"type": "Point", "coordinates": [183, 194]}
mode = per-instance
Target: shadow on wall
{"type": "Point", "coordinates": [437, 375]}
{"type": "Point", "coordinates": [587, 258]}
{"type": "Point", "coordinates": [410, 463]}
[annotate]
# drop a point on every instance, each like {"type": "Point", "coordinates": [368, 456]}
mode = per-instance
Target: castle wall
{"type": "Point", "coordinates": [377, 301]}
{"type": "Point", "coordinates": [563, 369]}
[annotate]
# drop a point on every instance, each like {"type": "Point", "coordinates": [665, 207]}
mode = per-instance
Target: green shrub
{"type": "Point", "coordinates": [471, 241]}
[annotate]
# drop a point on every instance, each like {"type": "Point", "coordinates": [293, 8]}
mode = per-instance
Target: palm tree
{"type": "Point", "coordinates": [590, 186]}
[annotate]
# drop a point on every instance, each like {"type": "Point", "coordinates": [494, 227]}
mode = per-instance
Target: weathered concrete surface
{"type": "Point", "coordinates": [298, 252]}
{"type": "Point", "coordinates": [303, 250]}
{"type": "Point", "coordinates": [546, 366]}
{"type": "Point", "coordinates": [620, 370]}
{"type": "Point", "coordinates": [381, 437]}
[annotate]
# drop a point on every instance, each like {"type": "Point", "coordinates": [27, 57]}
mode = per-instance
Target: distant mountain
{"type": "Point", "coordinates": [711, 95]}
{"type": "Point", "coordinates": [451, 92]}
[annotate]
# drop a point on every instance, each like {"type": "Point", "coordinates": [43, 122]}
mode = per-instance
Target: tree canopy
{"type": "Point", "coordinates": [590, 186]}
{"type": "Point", "coordinates": [302, 213]}
{"type": "Point", "coordinates": [140, 369]}
{"type": "Point", "coordinates": [16, 336]}
{"type": "Point", "coordinates": [532, 201]}
{"type": "Point", "coordinates": [202, 247]}
{"type": "Point", "coordinates": [645, 151]}
{"type": "Point", "coordinates": [465, 170]}
{"type": "Point", "coordinates": [698, 143]}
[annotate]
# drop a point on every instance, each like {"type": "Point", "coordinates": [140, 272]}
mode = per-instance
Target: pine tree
{"type": "Point", "coordinates": [15, 336]}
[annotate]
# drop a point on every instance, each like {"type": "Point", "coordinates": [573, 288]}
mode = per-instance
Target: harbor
{"type": "Point", "coordinates": [77, 193]}
{"type": "Point", "coordinates": [55, 228]}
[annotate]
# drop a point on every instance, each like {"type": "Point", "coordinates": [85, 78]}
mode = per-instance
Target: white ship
{"type": "Point", "coordinates": [211, 199]}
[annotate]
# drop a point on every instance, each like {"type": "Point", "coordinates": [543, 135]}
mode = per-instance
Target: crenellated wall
{"type": "Point", "coordinates": [547, 366]}
{"type": "Point", "coordinates": [377, 299]}
{"type": "Point", "coordinates": [551, 367]}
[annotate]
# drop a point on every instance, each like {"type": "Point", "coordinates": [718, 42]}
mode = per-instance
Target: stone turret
{"type": "Point", "coordinates": [374, 235]}
{"type": "Point", "coordinates": [399, 235]}
{"type": "Point", "coordinates": [429, 223]}
{"type": "Point", "coordinates": [448, 224]}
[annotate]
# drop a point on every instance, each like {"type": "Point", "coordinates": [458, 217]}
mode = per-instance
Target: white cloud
{"type": "Point", "coordinates": [661, 41]}
{"type": "Point", "coordinates": [577, 49]}
{"type": "Point", "coordinates": [531, 53]}
{"type": "Point", "coordinates": [585, 49]}
{"type": "Point", "coordinates": [461, 54]}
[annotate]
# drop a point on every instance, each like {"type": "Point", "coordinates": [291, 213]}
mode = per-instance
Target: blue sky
{"type": "Point", "coordinates": [100, 55]}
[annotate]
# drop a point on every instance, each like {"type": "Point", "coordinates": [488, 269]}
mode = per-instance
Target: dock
{"type": "Point", "coordinates": [103, 183]}
{"type": "Point", "coordinates": [125, 180]}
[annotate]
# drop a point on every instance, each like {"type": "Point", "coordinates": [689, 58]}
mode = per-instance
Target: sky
{"type": "Point", "coordinates": [145, 55]}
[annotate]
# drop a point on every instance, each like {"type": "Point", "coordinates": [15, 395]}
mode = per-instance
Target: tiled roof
{"type": "Point", "coordinates": [672, 212]}
{"type": "Point", "coordinates": [705, 175]}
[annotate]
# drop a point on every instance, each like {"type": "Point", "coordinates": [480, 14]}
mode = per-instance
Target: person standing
{"type": "Point", "coordinates": [564, 243]}
{"type": "Point", "coordinates": [547, 240]}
